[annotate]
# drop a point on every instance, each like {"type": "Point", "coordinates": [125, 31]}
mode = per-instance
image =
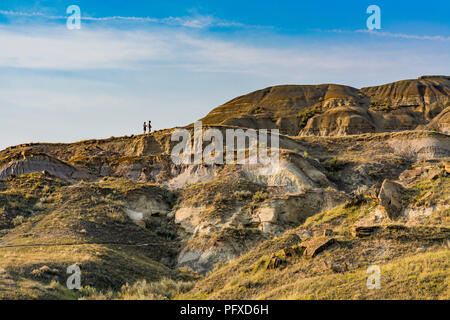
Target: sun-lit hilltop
{"type": "Point", "coordinates": [331, 109]}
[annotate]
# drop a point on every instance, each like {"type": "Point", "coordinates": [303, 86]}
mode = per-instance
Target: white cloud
{"type": "Point", "coordinates": [386, 34]}
{"type": "Point", "coordinates": [196, 22]}
{"type": "Point", "coordinates": [61, 49]}
{"type": "Point", "coordinates": [293, 60]}
{"type": "Point", "coordinates": [405, 35]}
{"type": "Point", "coordinates": [56, 48]}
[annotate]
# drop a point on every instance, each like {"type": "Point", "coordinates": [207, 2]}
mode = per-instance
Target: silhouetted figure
{"type": "Point", "coordinates": [145, 127]}
{"type": "Point", "coordinates": [149, 127]}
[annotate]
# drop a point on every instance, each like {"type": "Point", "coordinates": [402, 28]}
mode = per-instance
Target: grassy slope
{"type": "Point", "coordinates": [83, 224]}
{"type": "Point", "coordinates": [414, 260]}
{"type": "Point", "coordinates": [339, 273]}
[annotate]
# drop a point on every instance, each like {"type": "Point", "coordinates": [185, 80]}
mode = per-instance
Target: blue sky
{"type": "Point", "coordinates": [173, 61]}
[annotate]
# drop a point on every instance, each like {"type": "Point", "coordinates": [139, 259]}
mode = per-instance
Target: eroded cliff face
{"type": "Point", "coordinates": [279, 107]}
{"type": "Point", "coordinates": [341, 121]}
{"type": "Point", "coordinates": [429, 94]}
{"type": "Point", "coordinates": [339, 110]}
{"type": "Point", "coordinates": [441, 123]}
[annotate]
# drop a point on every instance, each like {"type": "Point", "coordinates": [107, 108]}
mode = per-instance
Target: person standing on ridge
{"type": "Point", "coordinates": [145, 127]}
{"type": "Point", "coordinates": [149, 126]}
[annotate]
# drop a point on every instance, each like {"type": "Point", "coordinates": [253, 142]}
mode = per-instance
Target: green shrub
{"type": "Point", "coordinates": [242, 195]}
{"type": "Point", "coordinates": [260, 196]}
{"type": "Point", "coordinates": [17, 221]}
{"type": "Point", "coordinates": [258, 109]}
{"type": "Point", "coordinates": [306, 115]}
{"type": "Point", "coordinates": [220, 198]}
{"type": "Point", "coordinates": [379, 106]}
{"type": "Point", "coordinates": [333, 164]}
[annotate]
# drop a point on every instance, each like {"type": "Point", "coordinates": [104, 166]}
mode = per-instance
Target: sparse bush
{"type": "Point", "coordinates": [165, 289]}
{"type": "Point", "coordinates": [306, 115]}
{"type": "Point", "coordinates": [46, 189]}
{"type": "Point", "coordinates": [260, 196]}
{"type": "Point", "coordinates": [17, 221]}
{"type": "Point", "coordinates": [333, 164]}
{"type": "Point", "coordinates": [28, 196]}
{"type": "Point", "coordinates": [220, 197]}
{"type": "Point", "coordinates": [242, 195]}
{"type": "Point", "coordinates": [258, 109]}
{"type": "Point", "coordinates": [361, 190]}
{"type": "Point", "coordinates": [379, 106]}
{"type": "Point", "coordinates": [39, 205]}
{"type": "Point", "coordinates": [15, 205]}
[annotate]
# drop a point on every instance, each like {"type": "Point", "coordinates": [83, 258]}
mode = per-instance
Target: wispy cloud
{"type": "Point", "coordinates": [405, 35]}
{"type": "Point", "coordinates": [86, 49]}
{"type": "Point", "coordinates": [197, 22]}
{"type": "Point", "coordinates": [97, 49]}
{"type": "Point", "coordinates": [53, 48]}
{"type": "Point", "coordinates": [386, 34]}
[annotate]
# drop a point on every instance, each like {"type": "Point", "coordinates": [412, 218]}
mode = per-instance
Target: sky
{"type": "Point", "coordinates": [173, 61]}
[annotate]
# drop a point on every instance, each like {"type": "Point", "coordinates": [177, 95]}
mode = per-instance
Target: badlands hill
{"type": "Point", "coordinates": [332, 109]}
{"type": "Point", "coordinates": [363, 180]}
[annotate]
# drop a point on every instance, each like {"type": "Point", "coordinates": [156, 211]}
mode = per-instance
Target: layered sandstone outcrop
{"type": "Point", "coordinates": [331, 109]}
